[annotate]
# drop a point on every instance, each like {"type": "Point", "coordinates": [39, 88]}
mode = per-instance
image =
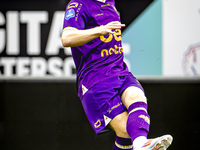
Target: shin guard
{"type": "Point", "coordinates": [138, 120]}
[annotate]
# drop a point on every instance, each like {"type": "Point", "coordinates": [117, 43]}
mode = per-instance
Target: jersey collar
{"type": "Point", "coordinates": [103, 1]}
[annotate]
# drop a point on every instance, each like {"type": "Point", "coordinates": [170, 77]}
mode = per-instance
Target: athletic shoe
{"type": "Point", "coordinates": [160, 143]}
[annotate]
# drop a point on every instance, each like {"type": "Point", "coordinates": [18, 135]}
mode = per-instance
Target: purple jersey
{"type": "Point", "coordinates": [101, 58]}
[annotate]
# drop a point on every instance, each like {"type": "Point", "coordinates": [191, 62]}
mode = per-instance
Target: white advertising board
{"type": "Point", "coordinates": [181, 38]}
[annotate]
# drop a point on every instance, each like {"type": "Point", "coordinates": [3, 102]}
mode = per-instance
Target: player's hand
{"type": "Point", "coordinates": [111, 26]}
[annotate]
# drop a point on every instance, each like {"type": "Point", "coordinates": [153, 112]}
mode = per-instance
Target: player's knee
{"type": "Point", "coordinates": [132, 95]}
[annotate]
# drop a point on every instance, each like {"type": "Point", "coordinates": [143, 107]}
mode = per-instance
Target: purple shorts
{"type": "Point", "coordinates": [102, 102]}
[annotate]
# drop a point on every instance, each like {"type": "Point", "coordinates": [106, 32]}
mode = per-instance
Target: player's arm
{"type": "Point", "coordinates": [73, 38]}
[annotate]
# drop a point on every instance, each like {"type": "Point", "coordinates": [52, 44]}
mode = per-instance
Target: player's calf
{"type": "Point", "coordinates": [138, 120]}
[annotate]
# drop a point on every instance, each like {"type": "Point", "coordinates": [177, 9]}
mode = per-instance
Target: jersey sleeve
{"type": "Point", "coordinates": [76, 16]}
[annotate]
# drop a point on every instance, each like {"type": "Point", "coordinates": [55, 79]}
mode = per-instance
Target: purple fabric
{"type": "Point", "coordinates": [137, 124]}
{"type": "Point", "coordinates": [122, 141]}
{"type": "Point", "coordinates": [131, 81]}
{"type": "Point", "coordinates": [104, 98]}
{"type": "Point", "coordinates": [101, 58]}
{"type": "Point", "coordinates": [137, 105]}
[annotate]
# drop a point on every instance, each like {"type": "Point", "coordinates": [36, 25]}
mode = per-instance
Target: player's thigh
{"type": "Point", "coordinates": [133, 94]}
{"type": "Point", "coordinates": [118, 124]}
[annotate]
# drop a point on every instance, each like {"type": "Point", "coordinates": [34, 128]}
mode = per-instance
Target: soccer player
{"type": "Point", "coordinates": [111, 96]}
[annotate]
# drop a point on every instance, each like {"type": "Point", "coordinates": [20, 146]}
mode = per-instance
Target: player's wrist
{"type": "Point", "coordinates": [98, 31]}
{"type": "Point", "coordinates": [103, 30]}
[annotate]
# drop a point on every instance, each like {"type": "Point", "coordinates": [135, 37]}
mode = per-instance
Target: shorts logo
{"type": "Point", "coordinates": [114, 107]}
{"type": "Point", "coordinates": [97, 124]}
{"type": "Point", "coordinates": [70, 13]}
{"type": "Point", "coordinates": [84, 89]}
{"type": "Point", "coordinates": [106, 120]}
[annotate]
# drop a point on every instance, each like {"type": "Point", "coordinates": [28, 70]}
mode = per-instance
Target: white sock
{"type": "Point", "coordinates": [139, 142]}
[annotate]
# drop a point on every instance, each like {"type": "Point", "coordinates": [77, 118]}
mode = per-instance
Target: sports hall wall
{"type": "Point", "coordinates": [39, 108]}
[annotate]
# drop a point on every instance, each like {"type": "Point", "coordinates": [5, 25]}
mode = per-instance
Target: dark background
{"type": "Point", "coordinates": [47, 114]}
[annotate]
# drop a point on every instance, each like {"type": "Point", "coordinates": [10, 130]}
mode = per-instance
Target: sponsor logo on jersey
{"type": "Point", "coordinates": [116, 35]}
{"type": "Point", "coordinates": [111, 51]}
{"type": "Point", "coordinates": [70, 13]}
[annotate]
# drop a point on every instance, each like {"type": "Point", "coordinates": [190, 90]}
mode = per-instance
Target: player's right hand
{"type": "Point", "coordinates": [111, 26]}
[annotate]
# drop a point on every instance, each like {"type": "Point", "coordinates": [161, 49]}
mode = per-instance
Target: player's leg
{"type": "Point", "coordinates": [138, 121]}
{"type": "Point", "coordinates": [103, 107]}
{"type": "Point", "coordinates": [118, 124]}
{"type": "Point", "coordinates": [122, 143]}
